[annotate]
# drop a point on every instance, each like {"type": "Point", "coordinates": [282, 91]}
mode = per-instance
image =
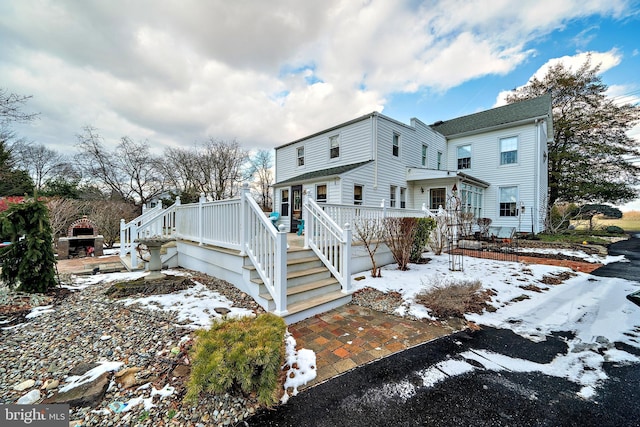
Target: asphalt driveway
{"type": "Point", "coordinates": [391, 392]}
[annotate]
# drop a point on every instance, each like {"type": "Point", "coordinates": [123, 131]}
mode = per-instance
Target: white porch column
{"type": "Point", "coordinates": [123, 251]}
{"type": "Point", "coordinates": [133, 236]}
{"type": "Point", "coordinates": [201, 218]}
{"type": "Point", "coordinates": [305, 216]}
{"type": "Point", "coordinates": [280, 279]}
{"type": "Point", "coordinates": [346, 259]}
{"type": "Point", "coordinates": [244, 234]}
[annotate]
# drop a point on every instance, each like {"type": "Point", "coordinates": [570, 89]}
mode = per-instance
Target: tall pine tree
{"type": "Point", "coordinates": [590, 147]}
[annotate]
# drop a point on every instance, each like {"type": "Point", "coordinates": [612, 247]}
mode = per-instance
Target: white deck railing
{"type": "Point", "coordinates": [330, 242]}
{"type": "Point", "coordinates": [266, 247]}
{"type": "Point", "coordinates": [237, 224]}
{"type": "Point", "coordinates": [151, 222]}
{"type": "Point", "coordinates": [349, 214]}
{"type": "Point", "coordinates": [212, 223]}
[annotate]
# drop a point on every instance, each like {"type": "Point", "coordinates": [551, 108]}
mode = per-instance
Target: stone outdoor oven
{"type": "Point", "coordinates": [82, 240]}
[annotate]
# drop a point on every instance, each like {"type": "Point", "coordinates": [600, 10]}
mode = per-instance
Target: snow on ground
{"type": "Point", "coordinates": [593, 308]}
{"type": "Point", "coordinates": [194, 304]}
{"type": "Point", "coordinates": [578, 254]}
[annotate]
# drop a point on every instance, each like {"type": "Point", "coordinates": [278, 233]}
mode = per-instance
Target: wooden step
{"type": "Point", "coordinates": [305, 288]}
{"type": "Point", "coordinates": [308, 308]}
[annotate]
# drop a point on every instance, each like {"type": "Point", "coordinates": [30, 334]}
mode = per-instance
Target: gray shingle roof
{"type": "Point", "coordinates": [518, 111]}
{"type": "Point", "coordinates": [338, 170]}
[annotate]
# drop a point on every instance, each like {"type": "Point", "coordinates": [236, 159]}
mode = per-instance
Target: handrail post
{"type": "Point", "coordinates": [305, 217]}
{"type": "Point", "coordinates": [132, 237]}
{"type": "Point", "coordinates": [280, 279]}
{"type": "Point", "coordinates": [122, 238]}
{"type": "Point", "coordinates": [201, 201]}
{"type": "Point", "coordinates": [244, 212]}
{"type": "Point", "coordinates": [346, 259]}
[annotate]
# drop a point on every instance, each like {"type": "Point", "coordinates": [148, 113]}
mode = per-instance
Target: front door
{"type": "Point", "coordinates": [296, 207]}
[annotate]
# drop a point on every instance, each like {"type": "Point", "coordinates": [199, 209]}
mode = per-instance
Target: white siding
{"type": "Point", "coordinates": [355, 147]}
{"type": "Point", "coordinates": [485, 165]}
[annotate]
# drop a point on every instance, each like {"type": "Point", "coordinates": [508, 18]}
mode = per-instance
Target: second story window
{"type": "Point", "coordinates": [424, 155]}
{"type": "Point", "coordinates": [396, 145]}
{"type": "Point", "coordinates": [439, 162]}
{"type": "Point", "coordinates": [464, 157]}
{"type": "Point", "coordinates": [321, 193]}
{"type": "Point", "coordinates": [334, 144]}
{"type": "Point", "coordinates": [300, 151]}
{"type": "Point", "coordinates": [509, 150]}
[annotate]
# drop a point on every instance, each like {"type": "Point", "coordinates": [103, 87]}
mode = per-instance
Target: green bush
{"type": "Point", "coordinates": [243, 355]}
{"type": "Point", "coordinates": [421, 237]}
{"type": "Point", "coordinates": [614, 229]}
{"type": "Point", "coordinates": [29, 262]}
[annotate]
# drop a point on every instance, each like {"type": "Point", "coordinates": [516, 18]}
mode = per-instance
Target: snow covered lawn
{"type": "Point", "coordinates": [594, 309]}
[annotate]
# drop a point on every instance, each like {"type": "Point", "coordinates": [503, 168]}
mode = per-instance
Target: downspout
{"type": "Point", "coordinates": [536, 175]}
{"type": "Point", "coordinates": [374, 124]}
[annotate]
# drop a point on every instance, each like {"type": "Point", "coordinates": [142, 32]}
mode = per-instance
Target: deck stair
{"type": "Point", "coordinates": [311, 289]}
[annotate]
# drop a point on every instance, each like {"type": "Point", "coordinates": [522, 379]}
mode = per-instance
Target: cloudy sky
{"type": "Point", "coordinates": [268, 72]}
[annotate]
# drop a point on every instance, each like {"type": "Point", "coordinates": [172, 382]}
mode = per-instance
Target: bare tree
{"type": "Point", "coordinates": [179, 170]}
{"type": "Point", "coordinates": [371, 232]}
{"type": "Point", "coordinates": [400, 233]}
{"type": "Point", "coordinates": [62, 212]}
{"type": "Point", "coordinates": [220, 166]}
{"type": "Point", "coordinates": [11, 108]}
{"type": "Point", "coordinates": [130, 173]}
{"type": "Point", "coordinates": [106, 214]}
{"type": "Point", "coordinates": [41, 162]}
{"type": "Point", "coordinates": [261, 172]}
{"type": "Point", "coordinates": [439, 235]}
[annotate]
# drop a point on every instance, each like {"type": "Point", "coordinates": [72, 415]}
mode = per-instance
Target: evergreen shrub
{"type": "Point", "coordinates": [27, 263]}
{"type": "Point", "coordinates": [421, 238]}
{"type": "Point", "coordinates": [239, 355]}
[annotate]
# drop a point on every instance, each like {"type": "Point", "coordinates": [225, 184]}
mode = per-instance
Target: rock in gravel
{"type": "Point", "coordinates": [32, 397]}
{"type": "Point", "coordinates": [24, 385]}
{"type": "Point", "coordinates": [89, 394]}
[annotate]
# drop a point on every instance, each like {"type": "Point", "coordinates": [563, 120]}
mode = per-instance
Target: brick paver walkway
{"type": "Point", "coordinates": [351, 335]}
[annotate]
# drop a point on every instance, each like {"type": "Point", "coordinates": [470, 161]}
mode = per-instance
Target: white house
{"type": "Point", "coordinates": [495, 161]}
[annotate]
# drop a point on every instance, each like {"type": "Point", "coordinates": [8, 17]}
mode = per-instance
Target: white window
{"type": "Point", "coordinates": [321, 193]}
{"type": "Point", "coordinates": [439, 164]}
{"type": "Point", "coordinates": [357, 194]}
{"type": "Point", "coordinates": [508, 201]}
{"type": "Point", "coordinates": [396, 145]}
{"type": "Point", "coordinates": [424, 154]}
{"type": "Point", "coordinates": [334, 147]}
{"type": "Point", "coordinates": [464, 157]}
{"type": "Point", "coordinates": [437, 198]}
{"type": "Point", "coordinates": [403, 197]}
{"type": "Point", "coordinates": [392, 196]}
{"type": "Point", "coordinates": [509, 150]}
{"type": "Point", "coordinates": [471, 199]}
{"type": "Point", "coordinates": [300, 152]}
{"type": "Point", "coordinates": [284, 202]}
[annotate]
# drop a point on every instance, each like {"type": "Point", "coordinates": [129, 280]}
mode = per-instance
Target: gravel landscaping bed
{"type": "Point", "coordinates": [87, 327]}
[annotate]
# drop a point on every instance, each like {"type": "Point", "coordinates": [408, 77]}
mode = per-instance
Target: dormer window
{"type": "Point", "coordinates": [300, 152]}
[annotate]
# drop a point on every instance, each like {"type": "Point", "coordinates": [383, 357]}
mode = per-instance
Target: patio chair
{"type": "Point", "coordinates": [300, 227]}
{"type": "Point", "coordinates": [274, 217]}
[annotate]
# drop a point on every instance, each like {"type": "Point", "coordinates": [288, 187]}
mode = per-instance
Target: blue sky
{"type": "Point", "coordinates": [266, 73]}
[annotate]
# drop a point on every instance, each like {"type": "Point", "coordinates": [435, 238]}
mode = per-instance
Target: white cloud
{"type": "Point", "coordinates": [262, 72]}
